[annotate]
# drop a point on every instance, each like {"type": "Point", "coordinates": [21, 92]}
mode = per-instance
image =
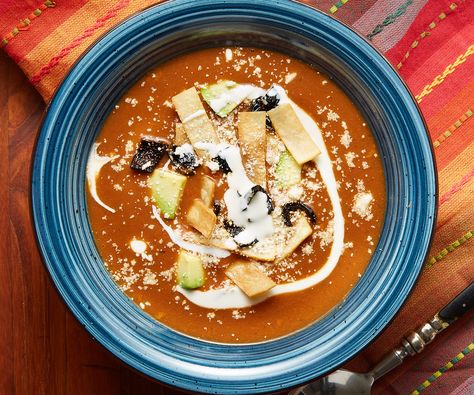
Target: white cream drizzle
{"type": "Point", "coordinates": [95, 162]}
{"type": "Point", "coordinates": [233, 297]}
{"type": "Point", "coordinates": [186, 245]}
{"type": "Point", "coordinates": [139, 247]}
{"type": "Point", "coordinates": [194, 115]}
{"type": "Point", "coordinates": [253, 217]}
{"type": "Point", "coordinates": [235, 94]}
{"type": "Point", "coordinates": [185, 149]}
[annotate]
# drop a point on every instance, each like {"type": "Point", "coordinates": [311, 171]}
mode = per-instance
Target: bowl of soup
{"type": "Point", "coordinates": [233, 197]}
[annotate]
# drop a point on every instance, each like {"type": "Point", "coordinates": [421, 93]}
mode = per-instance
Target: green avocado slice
{"type": "Point", "coordinates": [167, 189]}
{"type": "Point", "coordinates": [189, 271]}
{"type": "Point", "coordinates": [288, 171]}
{"type": "Point", "coordinates": [224, 96]}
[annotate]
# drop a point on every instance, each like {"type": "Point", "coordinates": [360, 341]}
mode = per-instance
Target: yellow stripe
{"type": "Point", "coordinates": [450, 248]}
{"type": "Point", "coordinates": [438, 373]}
{"type": "Point", "coordinates": [448, 132]}
{"type": "Point", "coordinates": [439, 79]}
{"type": "Point", "coordinates": [425, 33]}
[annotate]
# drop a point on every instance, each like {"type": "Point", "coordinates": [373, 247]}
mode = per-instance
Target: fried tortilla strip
{"type": "Point", "coordinates": [201, 217]}
{"type": "Point", "coordinates": [249, 278]}
{"type": "Point", "coordinates": [208, 188]}
{"type": "Point", "coordinates": [180, 137]}
{"type": "Point", "coordinates": [194, 118]}
{"type": "Point", "coordinates": [302, 229]}
{"type": "Point", "coordinates": [253, 145]}
{"type": "Point", "coordinates": [295, 137]}
{"type": "Point", "coordinates": [262, 251]}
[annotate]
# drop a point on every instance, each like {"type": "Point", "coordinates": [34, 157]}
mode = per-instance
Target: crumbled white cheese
{"type": "Point", "coordinates": [149, 278]}
{"type": "Point", "coordinates": [332, 116]}
{"type": "Point", "coordinates": [362, 205]}
{"type": "Point", "coordinates": [295, 192]}
{"type": "Point", "coordinates": [346, 139]}
{"type": "Point", "coordinates": [350, 156]}
{"type": "Point", "coordinates": [290, 77]}
{"type": "Point", "coordinates": [132, 101]}
{"type": "Point", "coordinates": [211, 315]}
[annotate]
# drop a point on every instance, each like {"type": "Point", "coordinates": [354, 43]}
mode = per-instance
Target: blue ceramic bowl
{"type": "Point", "coordinates": [88, 94]}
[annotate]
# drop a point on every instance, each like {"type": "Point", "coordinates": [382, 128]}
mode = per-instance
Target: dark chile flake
{"type": "Point", "coordinates": [291, 207]}
{"type": "Point", "coordinates": [265, 103]}
{"type": "Point", "coordinates": [186, 163]}
{"type": "Point", "coordinates": [250, 244]}
{"type": "Point", "coordinates": [148, 155]}
{"type": "Point", "coordinates": [217, 207]}
{"type": "Point", "coordinates": [223, 165]}
{"type": "Point", "coordinates": [233, 229]}
{"type": "Point", "coordinates": [253, 191]}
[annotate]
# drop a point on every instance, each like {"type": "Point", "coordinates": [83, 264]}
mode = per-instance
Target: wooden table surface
{"type": "Point", "coordinates": [43, 348]}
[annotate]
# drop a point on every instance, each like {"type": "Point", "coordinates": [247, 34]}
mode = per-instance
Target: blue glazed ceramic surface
{"type": "Point", "coordinates": [88, 94]}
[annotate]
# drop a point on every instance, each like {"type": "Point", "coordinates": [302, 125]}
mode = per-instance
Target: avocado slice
{"type": "Point", "coordinates": [224, 96]}
{"type": "Point", "coordinates": [189, 271]}
{"type": "Point", "coordinates": [167, 189]}
{"type": "Point", "coordinates": [288, 171]}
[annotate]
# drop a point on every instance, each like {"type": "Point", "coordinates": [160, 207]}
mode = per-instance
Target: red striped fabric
{"type": "Point", "coordinates": [431, 43]}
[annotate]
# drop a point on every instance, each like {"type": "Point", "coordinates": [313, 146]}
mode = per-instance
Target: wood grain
{"type": "Point", "coordinates": [43, 349]}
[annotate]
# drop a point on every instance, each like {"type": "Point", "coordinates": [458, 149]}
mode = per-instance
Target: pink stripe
{"type": "Point", "coordinates": [456, 187]}
{"type": "Point", "coordinates": [394, 32]}
{"type": "Point", "coordinates": [77, 41]}
{"type": "Point", "coordinates": [465, 388]}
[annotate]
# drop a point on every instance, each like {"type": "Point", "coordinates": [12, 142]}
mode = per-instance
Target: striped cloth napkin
{"type": "Point", "coordinates": [430, 43]}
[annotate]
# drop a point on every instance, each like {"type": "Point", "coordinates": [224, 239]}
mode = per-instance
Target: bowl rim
{"type": "Point", "coordinates": [171, 4]}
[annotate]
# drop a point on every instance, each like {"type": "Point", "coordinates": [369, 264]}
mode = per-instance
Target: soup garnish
{"type": "Point", "coordinates": [235, 198]}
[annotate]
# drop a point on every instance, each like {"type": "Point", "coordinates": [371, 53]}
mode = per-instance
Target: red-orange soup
{"type": "Point", "coordinates": [147, 271]}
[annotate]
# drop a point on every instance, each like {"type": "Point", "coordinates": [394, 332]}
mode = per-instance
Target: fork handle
{"type": "Point", "coordinates": [416, 341]}
{"type": "Point", "coordinates": [458, 306]}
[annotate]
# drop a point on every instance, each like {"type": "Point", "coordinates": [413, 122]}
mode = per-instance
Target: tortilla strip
{"type": "Point", "coordinates": [295, 137]}
{"type": "Point", "coordinates": [201, 217]}
{"type": "Point", "coordinates": [302, 229]}
{"type": "Point", "coordinates": [194, 118]}
{"type": "Point", "coordinates": [180, 137]}
{"type": "Point", "coordinates": [208, 188]}
{"type": "Point", "coordinates": [262, 251]}
{"type": "Point", "coordinates": [249, 278]}
{"type": "Point", "coordinates": [257, 254]}
{"type": "Point", "coordinates": [253, 145]}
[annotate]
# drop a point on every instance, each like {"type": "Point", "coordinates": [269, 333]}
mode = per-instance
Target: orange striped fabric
{"type": "Point", "coordinates": [430, 42]}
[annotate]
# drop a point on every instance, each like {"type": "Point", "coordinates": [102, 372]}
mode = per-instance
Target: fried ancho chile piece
{"type": "Point", "coordinates": [266, 103]}
{"type": "Point", "coordinates": [148, 155]}
{"type": "Point", "coordinates": [253, 191]}
{"type": "Point", "coordinates": [291, 207]}
{"type": "Point", "coordinates": [185, 162]}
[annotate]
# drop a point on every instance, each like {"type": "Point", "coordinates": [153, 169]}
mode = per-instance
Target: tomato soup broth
{"type": "Point", "coordinates": [216, 123]}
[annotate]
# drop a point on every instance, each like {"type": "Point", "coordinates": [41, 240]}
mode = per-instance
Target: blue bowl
{"type": "Point", "coordinates": [88, 94]}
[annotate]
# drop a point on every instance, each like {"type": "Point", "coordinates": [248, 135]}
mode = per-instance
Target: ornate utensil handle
{"type": "Point", "coordinates": [416, 341]}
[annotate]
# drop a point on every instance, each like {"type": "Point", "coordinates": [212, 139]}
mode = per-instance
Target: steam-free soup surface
{"type": "Point", "coordinates": [139, 253]}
